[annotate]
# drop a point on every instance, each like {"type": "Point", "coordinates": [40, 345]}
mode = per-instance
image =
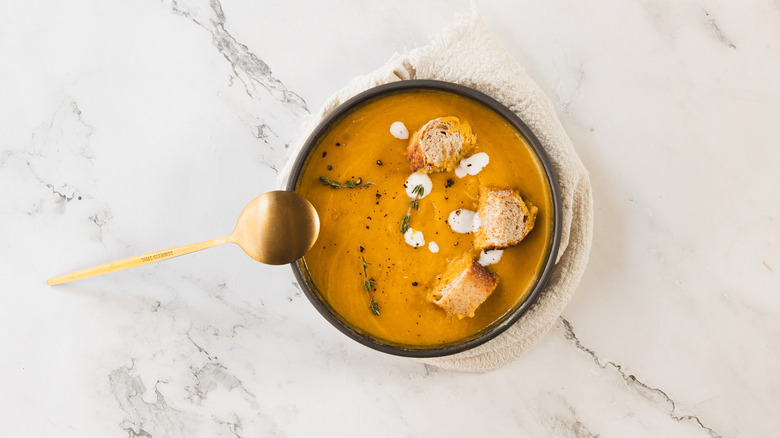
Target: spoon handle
{"type": "Point", "coordinates": [132, 262]}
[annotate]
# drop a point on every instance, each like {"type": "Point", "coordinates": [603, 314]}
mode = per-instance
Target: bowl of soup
{"type": "Point", "coordinates": [367, 274]}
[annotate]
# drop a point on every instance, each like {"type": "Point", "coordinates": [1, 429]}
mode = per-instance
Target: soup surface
{"type": "Point", "coordinates": [364, 223]}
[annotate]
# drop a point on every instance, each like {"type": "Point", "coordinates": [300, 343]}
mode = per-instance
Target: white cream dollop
{"type": "Point", "coordinates": [414, 238]}
{"type": "Point", "coordinates": [472, 165]}
{"type": "Point", "coordinates": [490, 257]}
{"type": "Point", "coordinates": [421, 179]}
{"type": "Point", "coordinates": [433, 247]}
{"type": "Point", "coordinates": [463, 221]}
{"type": "Point", "coordinates": [399, 131]}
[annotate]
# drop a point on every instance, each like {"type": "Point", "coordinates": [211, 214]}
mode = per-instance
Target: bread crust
{"type": "Point", "coordinates": [505, 218]}
{"type": "Point", "coordinates": [414, 153]}
{"type": "Point", "coordinates": [462, 295]}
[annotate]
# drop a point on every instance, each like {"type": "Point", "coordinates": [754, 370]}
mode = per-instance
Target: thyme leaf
{"type": "Point", "coordinates": [369, 284]}
{"type": "Point", "coordinates": [327, 182]}
{"type": "Point", "coordinates": [405, 223]}
{"type": "Point", "coordinates": [374, 306]}
{"type": "Point", "coordinates": [417, 192]}
{"type": "Point", "coordinates": [350, 184]}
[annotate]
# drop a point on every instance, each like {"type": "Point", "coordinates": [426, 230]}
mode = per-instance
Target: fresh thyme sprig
{"type": "Point", "coordinates": [374, 306]}
{"type": "Point", "coordinates": [349, 184]}
{"type": "Point", "coordinates": [418, 191]}
{"type": "Point", "coordinates": [369, 284]}
{"type": "Point", "coordinates": [405, 223]}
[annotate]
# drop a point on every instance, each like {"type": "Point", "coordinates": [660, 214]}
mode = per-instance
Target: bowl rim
{"type": "Point", "coordinates": [512, 316]}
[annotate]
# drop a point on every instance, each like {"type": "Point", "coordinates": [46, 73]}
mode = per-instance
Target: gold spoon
{"type": "Point", "coordinates": [276, 228]}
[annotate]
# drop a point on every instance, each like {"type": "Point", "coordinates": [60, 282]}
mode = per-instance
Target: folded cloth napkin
{"type": "Point", "coordinates": [467, 53]}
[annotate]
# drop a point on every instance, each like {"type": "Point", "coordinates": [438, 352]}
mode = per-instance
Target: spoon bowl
{"type": "Point", "coordinates": [276, 228]}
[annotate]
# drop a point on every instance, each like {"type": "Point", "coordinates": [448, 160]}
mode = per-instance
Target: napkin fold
{"type": "Point", "coordinates": [467, 53]}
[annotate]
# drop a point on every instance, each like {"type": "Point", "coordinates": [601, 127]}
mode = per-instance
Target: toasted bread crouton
{"type": "Point", "coordinates": [463, 287]}
{"type": "Point", "coordinates": [505, 219]}
{"type": "Point", "coordinates": [440, 144]}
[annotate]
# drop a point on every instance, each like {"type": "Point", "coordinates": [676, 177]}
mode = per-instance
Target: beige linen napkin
{"type": "Point", "coordinates": [467, 53]}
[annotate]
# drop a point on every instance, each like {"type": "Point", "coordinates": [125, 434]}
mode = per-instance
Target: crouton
{"type": "Point", "coordinates": [463, 287]}
{"type": "Point", "coordinates": [440, 144]}
{"type": "Point", "coordinates": [505, 219]}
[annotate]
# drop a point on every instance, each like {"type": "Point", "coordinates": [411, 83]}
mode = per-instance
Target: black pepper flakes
{"type": "Point", "coordinates": [379, 162]}
{"type": "Point", "coordinates": [338, 144]}
{"type": "Point", "coordinates": [414, 283]}
{"type": "Point", "coordinates": [330, 167]}
{"type": "Point", "coordinates": [449, 184]}
{"type": "Point", "coordinates": [323, 154]}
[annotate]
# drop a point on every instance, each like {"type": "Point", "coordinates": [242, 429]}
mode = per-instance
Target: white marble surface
{"type": "Point", "coordinates": [131, 126]}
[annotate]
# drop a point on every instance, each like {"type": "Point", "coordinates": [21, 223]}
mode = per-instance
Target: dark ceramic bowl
{"type": "Point", "coordinates": [496, 328]}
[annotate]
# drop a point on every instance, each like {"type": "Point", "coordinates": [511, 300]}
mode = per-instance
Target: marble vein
{"type": "Point", "coordinates": [263, 132]}
{"type": "Point", "coordinates": [555, 413]}
{"type": "Point", "coordinates": [712, 25]}
{"type": "Point", "coordinates": [215, 375]}
{"type": "Point", "coordinates": [157, 418]}
{"type": "Point", "coordinates": [250, 69]}
{"type": "Point", "coordinates": [61, 142]}
{"type": "Point", "coordinates": [274, 111]}
{"type": "Point", "coordinates": [208, 398]}
{"type": "Point", "coordinates": [650, 392]}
